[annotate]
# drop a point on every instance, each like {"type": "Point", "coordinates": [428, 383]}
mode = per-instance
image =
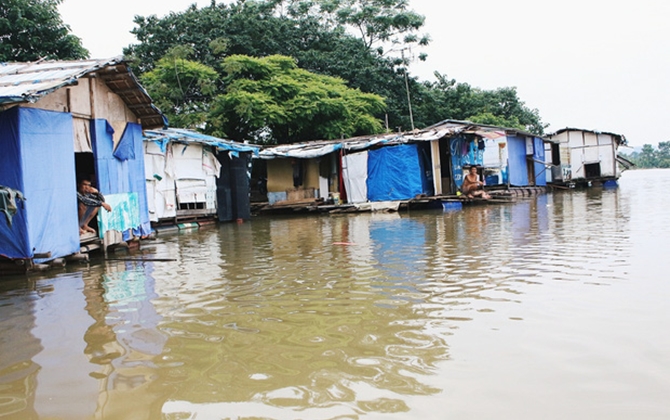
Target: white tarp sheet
{"type": "Point", "coordinates": [355, 175]}
{"type": "Point", "coordinates": [191, 191]}
{"type": "Point", "coordinates": [188, 161]}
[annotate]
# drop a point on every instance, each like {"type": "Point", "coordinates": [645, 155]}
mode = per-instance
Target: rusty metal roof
{"type": "Point", "coordinates": [28, 82]}
{"type": "Point", "coordinates": [446, 128]}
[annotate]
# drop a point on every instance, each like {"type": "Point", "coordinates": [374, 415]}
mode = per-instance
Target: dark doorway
{"type": "Point", "coordinates": [592, 170]}
{"type": "Point", "coordinates": [84, 165]}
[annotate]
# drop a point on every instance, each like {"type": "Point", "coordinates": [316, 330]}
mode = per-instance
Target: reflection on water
{"type": "Point", "coordinates": [388, 315]}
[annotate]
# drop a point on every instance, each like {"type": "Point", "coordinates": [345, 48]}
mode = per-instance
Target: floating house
{"type": "Point", "coordinates": [191, 176]}
{"type": "Point", "coordinates": [583, 157]}
{"type": "Point", "coordinates": [401, 166]}
{"type": "Point", "coordinates": [506, 157]}
{"type": "Point", "coordinates": [64, 120]}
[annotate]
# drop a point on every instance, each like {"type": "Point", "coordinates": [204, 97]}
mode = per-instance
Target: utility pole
{"type": "Point", "coordinates": [409, 100]}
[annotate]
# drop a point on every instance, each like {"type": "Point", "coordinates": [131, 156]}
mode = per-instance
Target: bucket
{"type": "Point", "coordinates": [452, 205]}
{"type": "Point", "coordinates": [336, 198]}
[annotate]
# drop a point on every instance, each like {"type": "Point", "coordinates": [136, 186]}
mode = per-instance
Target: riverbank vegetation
{"type": "Point", "coordinates": [650, 156]}
{"type": "Point", "coordinates": [365, 44]}
{"type": "Point", "coordinates": [279, 71]}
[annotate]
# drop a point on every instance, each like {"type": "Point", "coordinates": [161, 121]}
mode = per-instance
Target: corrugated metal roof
{"type": "Point", "coordinates": [28, 82]}
{"type": "Point", "coordinates": [446, 128]}
{"type": "Point", "coordinates": [621, 139]}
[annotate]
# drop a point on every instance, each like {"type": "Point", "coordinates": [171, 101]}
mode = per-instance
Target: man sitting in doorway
{"type": "Point", "coordinates": [472, 187]}
{"type": "Point", "coordinates": [90, 200]}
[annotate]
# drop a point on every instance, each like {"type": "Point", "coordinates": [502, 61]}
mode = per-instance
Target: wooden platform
{"type": "Point", "coordinates": [311, 205]}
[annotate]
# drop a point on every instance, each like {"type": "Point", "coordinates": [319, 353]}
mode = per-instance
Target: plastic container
{"type": "Point", "coordinates": [452, 205]}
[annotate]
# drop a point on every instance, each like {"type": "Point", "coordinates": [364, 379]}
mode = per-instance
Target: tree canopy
{"type": "Point", "coordinates": [380, 24]}
{"type": "Point", "coordinates": [318, 35]}
{"type": "Point", "coordinates": [182, 89]}
{"type": "Point", "coordinates": [447, 99]}
{"type": "Point", "coordinates": [33, 29]}
{"type": "Point", "coordinates": [272, 100]}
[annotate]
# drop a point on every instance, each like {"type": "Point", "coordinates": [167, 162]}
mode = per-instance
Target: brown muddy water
{"type": "Point", "coordinates": [554, 307]}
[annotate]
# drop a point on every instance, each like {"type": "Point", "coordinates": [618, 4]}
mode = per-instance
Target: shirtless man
{"type": "Point", "coordinates": [472, 186]}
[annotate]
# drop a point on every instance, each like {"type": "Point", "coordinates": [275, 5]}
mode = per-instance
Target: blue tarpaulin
{"type": "Point", "coordinates": [538, 158]}
{"type": "Point", "coordinates": [518, 165]}
{"type": "Point", "coordinates": [117, 176]}
{"type": "Point", "coordinates": [394, 173]}
{"type": "Point", "coordinates": [518, 161]}
{"type": "Point", "coordinates": [37, 159]}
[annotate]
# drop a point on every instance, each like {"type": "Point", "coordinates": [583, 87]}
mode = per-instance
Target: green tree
{"type": "Point", "coordinates": [263, 28]}
{"type": "Point", "coordinates": [310, 32]}
{"type": "Point", "coordinates": [33, 29]}
{"type": "Point", "coordinates": [378, 23]}
{"type": "Point", "coordinates": [182, 89]}
{"type": "Point", "coordinates": [271, 100]}
{"type": "Point", "coordinates": [447, 99]}
{"type": "Point", "coordinates": [647, 157]}
{"type": "Point", "coordinates": [663, 155]}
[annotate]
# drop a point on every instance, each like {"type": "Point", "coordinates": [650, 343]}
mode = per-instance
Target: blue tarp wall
{"type": "Point", "coordinates": [516, 158]}
{"type": "Point", "coordinates": [538, 156]}
{"type": "Point", "coordinates": [426, 168]}
{"type": "Point", "coordinates": [518, 163]}
{"type": "Point", "coordinates": [37, 158]}
{"type": "Point", "coordinates": [121, 170]}
{"type": "Point", "coordinates": [395, 173]}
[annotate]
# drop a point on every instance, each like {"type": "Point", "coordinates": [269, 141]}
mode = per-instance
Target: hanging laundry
{"type": "Point", "coordinates": [8, 197]}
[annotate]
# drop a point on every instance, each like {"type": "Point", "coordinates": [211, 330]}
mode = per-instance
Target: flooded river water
{"type": "Point", "coordinates": [552, 307]}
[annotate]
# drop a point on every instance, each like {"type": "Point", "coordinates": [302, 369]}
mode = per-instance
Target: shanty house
{"type": "Point", "coordinates": [64, 120]}
{"type": "Point", "coordinates": [401, 166]}
{"type": "Point", "coordinates": [585, 156]}
{"type": "Point", "coordinates": [313, 170]}
{"type": "Point", "coordinates": [190, 175]}
{"type": "Point", "coordinates": [505, 157]}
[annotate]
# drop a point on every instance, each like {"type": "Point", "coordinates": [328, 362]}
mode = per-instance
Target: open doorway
{"type": "Point", "coordinates": [84, 164]}
{"type": "Point", "coordinates": [448, 186]}
{"type": "Point", "coordinates": [592, 170]}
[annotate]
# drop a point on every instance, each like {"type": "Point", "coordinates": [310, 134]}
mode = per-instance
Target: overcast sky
{"type": "Point", "coordinates": [592, 64]}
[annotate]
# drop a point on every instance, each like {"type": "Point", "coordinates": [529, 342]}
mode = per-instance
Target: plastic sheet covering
{"type": "Point", "coordinates": [178, 135]}
{"type": "Point", "coordinates": [37, 159]}
{"type": "Point", "coordinates": [188, 161]}
{"type": "Point", "coordinates": [14, 242]}
{"type": "Point", "coordinates": [125, 149]}
{"type": "Point", "coordinates": [518, 166]}
{"type": "Point", "coordinates": [118, 177]}
{"type": "Point", "coordinates": [159, 171]}
{"type": "Point", "coordinates": [355, 174]}
{"type": "Point", "coordinates": [538, 157]}
{"type": "Point", "coordinates": [161, 198]}
{"type": "Point", "coordinates": [394, 173]}
{"type": "Point", "coordinates": [210, 164]}
{"type": "Point", "coordinates": [191, 190]}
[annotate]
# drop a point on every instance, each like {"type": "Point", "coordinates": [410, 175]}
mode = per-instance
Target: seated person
{"type": "Point", "coordinates": [90, 200]}
{"type": "Point", "coordinates": [472, 187]}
